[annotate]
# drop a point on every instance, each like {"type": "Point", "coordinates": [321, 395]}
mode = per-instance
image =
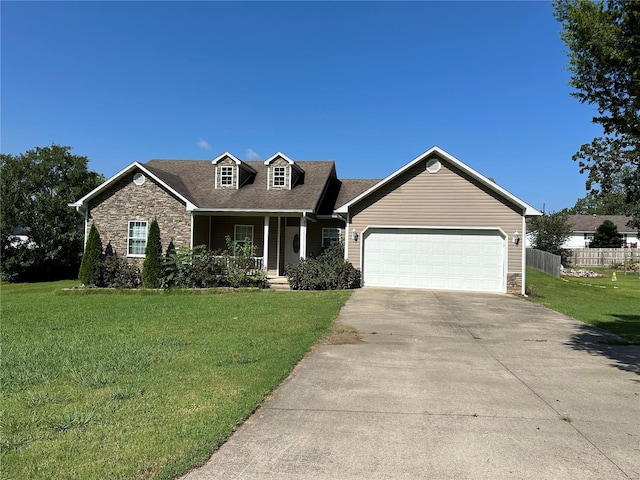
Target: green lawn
{"type": "Point", "coordinates": [613, 306]}
{"type": "Point", "coordinates": [141, 384]}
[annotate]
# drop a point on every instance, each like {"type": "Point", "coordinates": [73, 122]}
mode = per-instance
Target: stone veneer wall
{"type": "Point", "coordinates": [112, 210]}
{"type": "Point", "coordinates": [227, 162]}
{"type": "Point", "coordinates": [514, 283]}
{"type": "Point", "coordinates": [279, 162]}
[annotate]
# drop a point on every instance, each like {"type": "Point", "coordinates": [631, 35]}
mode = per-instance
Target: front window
{"type": "Point", "coordinates": [137, 238]}
{"type": "Point", "coordinates": [226, 176]}
{"type": "Point", "coordinates": [243, 234]}
{"type": "Point", "coordinates": [329, 236]}
{"type": "Point", "coordinates": [278, 177]}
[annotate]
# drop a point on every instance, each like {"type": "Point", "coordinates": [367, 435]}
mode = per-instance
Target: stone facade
{"type": "Point", "coordinates": [279, 162]}
{"type": "Point", "coordinates": [514, 283]}
{"type": "Point", "coordinates": [227, 162]}
{"type": "Point", "coordinates": [125, 201]}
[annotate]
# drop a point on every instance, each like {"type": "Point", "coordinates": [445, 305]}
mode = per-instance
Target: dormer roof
{"type": "Point", "coordinates": [281, 155]}
{"type": "Point", "coordinates": [235, 159]}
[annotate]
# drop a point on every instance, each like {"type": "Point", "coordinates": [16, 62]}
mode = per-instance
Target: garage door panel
{"type": "Point", "coordinates": [450, 260]}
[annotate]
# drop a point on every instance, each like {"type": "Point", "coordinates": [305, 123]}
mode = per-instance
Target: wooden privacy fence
{"type": "Point", "coordinates": [544, 261]}
{"type": "Point", "coordinates": [603, 257]}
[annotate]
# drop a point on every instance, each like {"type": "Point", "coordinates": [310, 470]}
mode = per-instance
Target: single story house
{"type": "Point", "coordinates": [434, 223]}
{"type": "Point", "coordinates": [583, 227]}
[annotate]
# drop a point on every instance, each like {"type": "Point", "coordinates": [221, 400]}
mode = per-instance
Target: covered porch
{"type": "Point", "coordinates": [280, 239]}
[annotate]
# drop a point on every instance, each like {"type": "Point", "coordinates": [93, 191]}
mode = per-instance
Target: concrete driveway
{"type": "Point", "coordinates": [448, 386]}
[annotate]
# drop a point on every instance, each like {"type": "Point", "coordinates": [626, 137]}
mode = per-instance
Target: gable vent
{"type": "Point", "coordinates": [433, 166]}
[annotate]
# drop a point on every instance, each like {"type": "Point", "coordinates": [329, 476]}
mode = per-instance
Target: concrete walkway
{"type": "Point", "coordinates": [448, 386]}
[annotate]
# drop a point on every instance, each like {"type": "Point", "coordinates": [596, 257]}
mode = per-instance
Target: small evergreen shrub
{"type": "Point", "coordinates": [89, 273]}
{"type": "Point", "coordinates": [327, 271]}
{"type": "Point", "coordinates": [152, 267]}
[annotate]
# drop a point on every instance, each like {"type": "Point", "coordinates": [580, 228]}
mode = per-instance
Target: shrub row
{"type": "Point", "coordinates": [182, 268]}
{"type": "Point", "coordinates": [327, 271]}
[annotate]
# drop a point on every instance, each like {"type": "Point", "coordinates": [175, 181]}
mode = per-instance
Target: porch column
{"type": "Point", "coordinates": [303, 237]}
{"type": "Point", "coordinates": [265, 252]}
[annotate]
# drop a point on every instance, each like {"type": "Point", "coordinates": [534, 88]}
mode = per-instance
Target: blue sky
{"type": "Point", "coordinates": [370, 85]}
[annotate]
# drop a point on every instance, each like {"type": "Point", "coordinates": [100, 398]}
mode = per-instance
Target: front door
{"type": "Point", "coordinates": [291, 245]}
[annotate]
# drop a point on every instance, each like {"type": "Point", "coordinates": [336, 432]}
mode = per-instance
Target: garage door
{"type": "Point", "coordinates": [436, 259]}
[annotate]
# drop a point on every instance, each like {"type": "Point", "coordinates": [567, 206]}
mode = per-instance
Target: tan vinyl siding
{"type": "Point", "coordinates": [449, 198]}
{"type": "Point", "coordinates": [273, 243]}
{"type": "Point", "coordinates": [314, 234]}
{"type": "Point", "coordinates": [223, 226]}
{"type": "Point", "coordinates": [200, 231]}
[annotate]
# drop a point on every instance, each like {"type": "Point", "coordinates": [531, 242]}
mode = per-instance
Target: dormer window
{"type": "Point", "coordinates": [282, 172]}
{"type": "Point", "coordinates": [226, 176]}
{"type": "Point", "coordinates": [279, 176]}
{"type": "Point", "coordinates": [231, 173]}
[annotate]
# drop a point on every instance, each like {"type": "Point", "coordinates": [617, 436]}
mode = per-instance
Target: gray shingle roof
{"type": "Point", "coordinates": [589, 223]}
{"type": "Point", "coordinates": [351, 188]}
{"type": "Point", "coordinates": [195, 180]}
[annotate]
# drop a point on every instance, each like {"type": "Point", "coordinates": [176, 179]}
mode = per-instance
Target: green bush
{"type": "Point", "coordinates": [152, 268]}
{"type": "Point", "coordinates": [328, 271]}
{"type": "Point", "coordinates": [89, 273]}
{"type": "Point", "coordinates": [117, 272]}
{"type": "Point", "coordinates": [193, 268]}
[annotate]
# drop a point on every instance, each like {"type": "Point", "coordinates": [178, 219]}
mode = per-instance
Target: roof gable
{"type": "Point", "coordinates": [527, 209]}
{"type": "Point", "coordinates": [127, 170]}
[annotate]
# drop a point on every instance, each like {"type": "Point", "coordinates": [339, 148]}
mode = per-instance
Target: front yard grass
{"type": "Point", "coordinates": [613, 306]}
{"type": "Point", "coordinates": [141, 384]}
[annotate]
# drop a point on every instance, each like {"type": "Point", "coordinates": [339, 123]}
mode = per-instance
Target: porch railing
{"type": "Point", "coordinates": [254, 266]}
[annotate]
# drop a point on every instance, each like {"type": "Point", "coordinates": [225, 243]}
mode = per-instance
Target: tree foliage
{"type": "Point", "coordinates": [603, 38]}
{"type": "Point", "coordinates": [35, 190]}
{"type": "Point", "coordinates": [550, 232]}
{"type": "Point", "coordinates": [89, 273]}
{"type": "Point", "coordinates": [606, 236]}
{"type": "Point", "coordinates": [613, 202]}
{"type": "Point", "coordinates": [152, 267]}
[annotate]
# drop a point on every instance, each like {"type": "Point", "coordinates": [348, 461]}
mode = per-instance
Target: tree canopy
{"type": "Point", "coordinates": [35, 190]}
{"type": "Point", "coordinates": [603, 38]}
{"type": "Point", "coordinates": [612, 202]}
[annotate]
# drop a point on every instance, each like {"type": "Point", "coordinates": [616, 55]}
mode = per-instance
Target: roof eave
{"type": "Point", "coordinates": [527, 210]}
{"type": "Point", "coordinates": [107, 183]}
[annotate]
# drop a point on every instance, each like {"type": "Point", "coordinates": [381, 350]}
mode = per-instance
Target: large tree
{"type": "Point", "coordinates": [35, 190]}
{"type": "Point", "coordinates": [604, 57]}
{"type": "Point", "coordinates": [612, 202]}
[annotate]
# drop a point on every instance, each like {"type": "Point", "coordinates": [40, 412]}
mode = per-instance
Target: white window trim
{"type": "Point", "coordinates": [325, 236]}
{"type": "Point", "coordinates": [129, 238]}
{"type": "Point", "coordinates": [227, 176]}
{"type": "Point", "coordinates": [282, 177]}
{"type": "Point", "coordinates": [235, 233]}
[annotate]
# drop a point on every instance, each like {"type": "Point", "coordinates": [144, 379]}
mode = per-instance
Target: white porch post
{"type": "Point", "coordinates": [191, 241]}
{"type": "Point", "coordinates": [303, 236]}
{"type": "Point", "coordinates": [278, 249]}
{"type": "Point", "coordinates": [265, 253]}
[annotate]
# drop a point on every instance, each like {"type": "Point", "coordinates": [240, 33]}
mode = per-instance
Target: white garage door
{"type": "Point", "coordinates": [436, 259]}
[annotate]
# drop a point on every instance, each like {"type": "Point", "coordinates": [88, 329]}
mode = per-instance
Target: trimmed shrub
{"type": "Point", "coordinates": [89, 273]}
{"type": "Point", "coordinates": [328, 271]}
{"type": "Point", "coordinates": [152, 268]}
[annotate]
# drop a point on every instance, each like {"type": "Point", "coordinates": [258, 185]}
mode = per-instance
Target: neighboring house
{"type": "Point", "coordinates": [583, 227]}
{"type": "Point", "coordinates": [434, 223]}
{"type": "Point", "coordinates": [20, 236]}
